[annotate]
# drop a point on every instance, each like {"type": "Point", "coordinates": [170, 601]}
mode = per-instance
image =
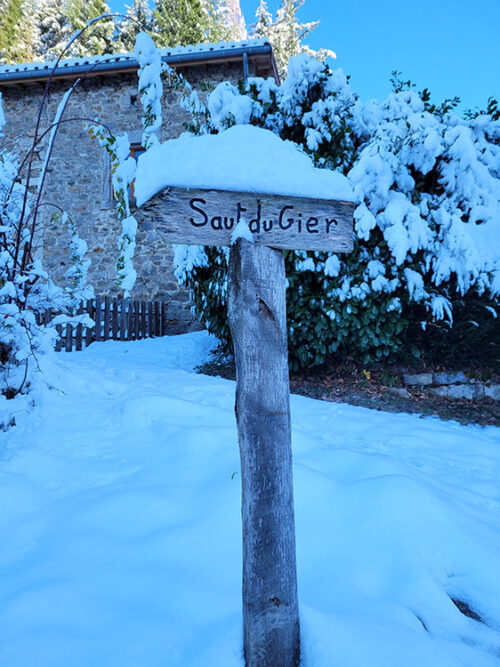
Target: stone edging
{"type": "Point", "coordinates": [453, 385]}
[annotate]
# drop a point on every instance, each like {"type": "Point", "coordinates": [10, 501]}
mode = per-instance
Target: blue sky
{"type": "Point", "coordinates": [451, 47]}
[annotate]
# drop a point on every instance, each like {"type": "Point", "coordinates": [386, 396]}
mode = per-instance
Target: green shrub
{"type": "Point", "coordinates": [427, 187]}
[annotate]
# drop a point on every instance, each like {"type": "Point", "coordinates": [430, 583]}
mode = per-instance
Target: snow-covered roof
{"type": "Point", "coordinates": [125, 61]}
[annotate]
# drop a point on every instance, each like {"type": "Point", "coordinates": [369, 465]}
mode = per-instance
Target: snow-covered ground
{"type": "Point", "coordinates": [120, 524]}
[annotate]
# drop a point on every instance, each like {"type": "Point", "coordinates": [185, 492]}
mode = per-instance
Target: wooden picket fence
{"type": "Point", "coordinates": [115, 319]}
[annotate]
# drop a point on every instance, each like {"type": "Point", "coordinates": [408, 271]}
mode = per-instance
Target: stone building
{"type": "Point", "coordinates": [79, 178]}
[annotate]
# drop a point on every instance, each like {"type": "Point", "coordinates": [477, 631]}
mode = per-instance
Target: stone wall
{"type": "Point", "coordinates": [79, 182]}
{"type": "Point", "coordinates": [453, 385]}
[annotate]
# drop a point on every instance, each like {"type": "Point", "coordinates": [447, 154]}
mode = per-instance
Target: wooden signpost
{"type": "Point", "coordinates": [257, 319]}
{"type": "Point", "coordinates": [208, 217]}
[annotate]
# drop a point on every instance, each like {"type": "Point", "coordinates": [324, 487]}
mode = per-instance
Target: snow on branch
{"type": "Point", "coordinates": [427, 222]}
{"type": "Point", "coordinates": [150, 87]}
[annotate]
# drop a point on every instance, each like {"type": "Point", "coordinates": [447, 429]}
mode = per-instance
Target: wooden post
{"type": "Point", "coordinates": [150, 333]}
{"type": "Point", "coordinates": [59, 341]}
{"type": "Point", "coordinates": [144, 328]}
{"type": "Point", "coordinates": [97, 319]}
{"type": "Point", "coordinates": [69, 337]}
{"type": "Point", "coordinates": [130, 319]}
{"type": "Point", "coordinates": [107, 318]}
{"type": "Point", "coordinates": [123, 319]}
{"type": "Point", "coordinates": [79, 329]}
{"type": "Point", "coordinates": [90, 332]}
{"type": "Point", "coordinates": [257, 318]}
{"type": "Point", "coordinates": [114, 319]}
{"type": "Point", "coordinates": [157, 318]}
{"type": "Point", "coordinates": [163, 319]}
{"type": "Point", "coordinates": [137, 320]}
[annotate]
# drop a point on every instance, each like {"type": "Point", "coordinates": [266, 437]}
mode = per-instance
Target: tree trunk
{"type": "Point", "coordinates": [257, 318]}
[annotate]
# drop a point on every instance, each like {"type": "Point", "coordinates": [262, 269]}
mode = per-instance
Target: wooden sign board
{"type": "Point", "coordinates": [208, 217]}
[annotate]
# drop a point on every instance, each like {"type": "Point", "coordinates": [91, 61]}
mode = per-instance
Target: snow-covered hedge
{"type": "Point", "coordinates": [427, 222]}
{"type": "Point", "coordinates": [24, 289]}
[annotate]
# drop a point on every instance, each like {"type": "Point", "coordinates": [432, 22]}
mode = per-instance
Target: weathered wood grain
{"type": "Point", "coordinates": [59, 341]}
{"type": "Point", "coordinates": [157, 318]}
{"type": "Point", "coordinates": [208, 217]}
{"type": "Point", "coordinates": [137, 314]}
{"type": "Point", "coordinates": [149, 319]}
{"type": "Point", "coordinates": [123, 319]}
{"type": "Point", "coordinates": [257, 318]}
{"type": "Point", "coordinates": [89, 332]}
{"type": "Point", "coordinates": [79, 329]}
{"type": "Point", "coordinates": [144, 327]}
{"type": "Point", "coordinates": [98, 319]}
{"type": "Point", "coordinates": [69, 337]}
{"type": "Point", "coordinates": [114, 320]}
{"type": "Point", "coordinates": [107, 317]}
{"type": "Point", "coordinates": [163, 319]}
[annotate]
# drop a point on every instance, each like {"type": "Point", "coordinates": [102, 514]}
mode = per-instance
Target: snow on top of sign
{"type": "Point", "coordinates": [243, 158]}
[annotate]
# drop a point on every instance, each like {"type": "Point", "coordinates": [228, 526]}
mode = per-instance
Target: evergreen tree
{"type": "Point", "coordinates": [18, 31]}
{"type": "Point", "coordinates": [99, 38]}
{"type": "Point", "coordinates": [29, 32]}
{"type": "Point", "coordinates": [264, 20]}
{"type": "Point", "coordinates": [235, 20]}
{"type": "Point", "coordinates": [58, 20]}
{"type": "Point", "coordinates": [180, 22]}
{"type": "Point", "coordinates": [285, 33]}
{"type": "Point", "coordinates": [142, 21]}
{"type": "Point", "coordinates": [54, 27]}
{"type": "Point", "coordinates": [10, 15]}
{"type": "Point", "coordinates": [217, 27]}
{"type": "Point", "coordinates": [225, 20]}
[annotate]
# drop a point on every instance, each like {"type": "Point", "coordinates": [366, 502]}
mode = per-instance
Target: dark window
{"type": "Point", "coordinates": [135, 151]}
